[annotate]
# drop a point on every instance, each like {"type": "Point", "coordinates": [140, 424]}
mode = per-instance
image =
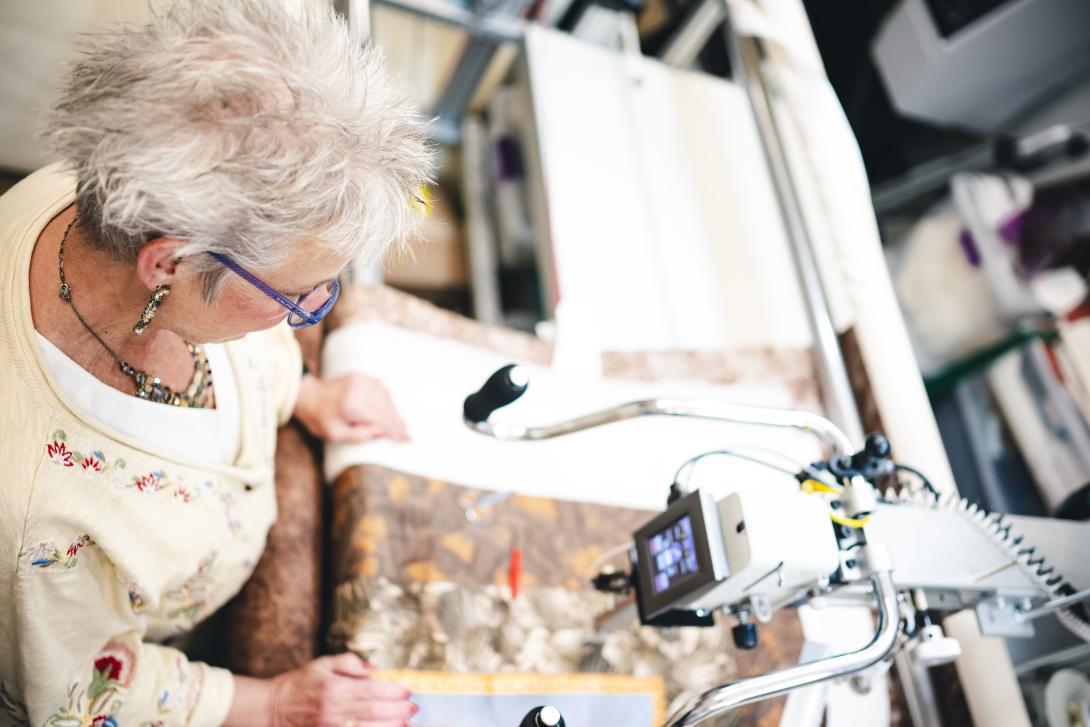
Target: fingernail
{"type": "Point", "coordinates": [407, 694]}
{"type": "Point", "coordinates": [415, 709]}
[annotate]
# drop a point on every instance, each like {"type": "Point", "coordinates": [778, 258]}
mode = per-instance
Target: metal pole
{"type": "Point", "coordinates": [745, 691]}
{"type": "Point", "coordinates": [1056, 605]}
{"type": "Point", "coordinates": [481, 242]}
{"type": "Point", "coordinates": [357, 13]}
{"type": "Point", "coordinates": [497, 28]}
{"type": "Point", "coordinates": [699, 25]}
{"type": "Point", "coordinates": [923, 705]}
{"type": "Point", "coordinates": [468, 72]}
{"type": "Point", "coordinates": [835, 386]}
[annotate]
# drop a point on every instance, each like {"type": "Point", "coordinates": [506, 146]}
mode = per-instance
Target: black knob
{"type": "Point", "coordinates": [877, 446]}
{"type": "Point", "coordinates": [502, 388]}
{"type": "Point", "coordinates": [745, 635]}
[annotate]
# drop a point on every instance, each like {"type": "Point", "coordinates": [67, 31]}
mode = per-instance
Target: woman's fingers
{"type": "Point", "coordinates": [385, 416]}
{"type": "Point", "coordinates": [369, 401]}
{"type": "Point", "coordinates": [357, 433]}
{"type": "Point", "coordinates": [381, 690]}
{"type": "Point", "coordinates": [372, 700]}
{"type": "Point", "coordinates": [402, 433]}
{"type": "Point", "coordinates": [383, 709]}
{"type": "Point", "coordinates": [353, 682]}
{"type": "Point", "coordinates": [350, 665]}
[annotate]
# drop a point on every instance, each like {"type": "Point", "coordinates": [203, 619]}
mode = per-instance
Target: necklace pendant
{"type": "Point", "coordinates": [148, 387]}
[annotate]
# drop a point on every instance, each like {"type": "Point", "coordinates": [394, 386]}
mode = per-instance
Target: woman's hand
{"type": "Point", "coordinates": [352, 408]}
{"type": "Point", "coordinates": [331, 691]}
{"type": "Point", "coordinates": [335, 691]}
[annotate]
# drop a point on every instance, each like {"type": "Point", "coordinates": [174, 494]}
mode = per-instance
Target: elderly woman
{"type": "Point", "coordinates": [222, 166]}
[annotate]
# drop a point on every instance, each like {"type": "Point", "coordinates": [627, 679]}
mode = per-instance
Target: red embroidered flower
{"type": "Point", "coordinates": [111, 667]}
{"type": "Point", "coordinates": [59, 454]}
{"type": "Point", "coordinates": [149, 482]}
{"type": "Point", "coordinates": [182, 494]}
{"type": "Point", "coordinates": [79, 543]}
{"type": "Point", "coordinates": [91, 464]}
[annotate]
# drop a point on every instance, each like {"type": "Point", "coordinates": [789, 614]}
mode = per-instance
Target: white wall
{"type": "Point", "coordinates": [37, 38]}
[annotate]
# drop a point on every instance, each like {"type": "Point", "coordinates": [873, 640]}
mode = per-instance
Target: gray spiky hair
{"type": "Point", "coordinates": [242, 128]}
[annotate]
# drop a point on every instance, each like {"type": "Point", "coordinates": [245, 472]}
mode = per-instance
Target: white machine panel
{"type": "Point", "coordinates": [775, 542]}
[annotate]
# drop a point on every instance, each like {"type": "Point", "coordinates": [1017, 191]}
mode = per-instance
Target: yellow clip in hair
{"type": "Point", "coordinates": [423, 200]}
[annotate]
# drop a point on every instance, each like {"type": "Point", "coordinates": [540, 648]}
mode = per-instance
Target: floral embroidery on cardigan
{"type": "Point", "coordinates": [58, 453]}
{"type": "Point", "coordinates": [151, 482]}
{"type": "Point", "coordinates": [227, 503]}
{"type": "Point", "coordinates": [188, 602]}
{"type": "Point", "coordinates": [13, 707]}
{"type": "Point", "coordinates": [96, 704]}
{"type": "Point", "coordinates": [90, 464]}
{"type": "Point", "coordinates": [182, 697]}
{"type": "Point", "coordinates": [45, 555]}
{"type": "Point", "coordinates": [94, 463]}
{"type": "Point", "coordinates": [136, 600]}
{"type": "Point", "coordinates": [160, 481]}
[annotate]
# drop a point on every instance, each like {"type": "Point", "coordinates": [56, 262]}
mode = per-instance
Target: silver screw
{"type": "Point", "coordinates": [860, 684]}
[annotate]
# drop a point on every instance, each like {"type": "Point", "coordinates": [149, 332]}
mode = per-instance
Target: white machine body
{"type": "Point", "coordinates": [775, 543]}
{"type": "Point", "coordinates": [981, 63]}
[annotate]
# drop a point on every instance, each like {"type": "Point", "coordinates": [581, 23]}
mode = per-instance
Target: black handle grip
{"type": "Point", "coordinates": [502, 388]}
{"type": "Point", "coordinates": [543, 717]}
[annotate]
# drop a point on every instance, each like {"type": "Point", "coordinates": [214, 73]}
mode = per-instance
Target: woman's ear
{"type": "Point", "coordinates": [157, 262]}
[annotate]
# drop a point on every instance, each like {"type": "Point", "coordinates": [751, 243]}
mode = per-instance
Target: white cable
{"type": "Point", "coordinates": [689, 463]}
{"type": "Point", "coordinates": [789, 460]}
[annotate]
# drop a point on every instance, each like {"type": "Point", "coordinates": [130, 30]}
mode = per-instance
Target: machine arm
{"type": "Point", "coordinates": [509, 383]}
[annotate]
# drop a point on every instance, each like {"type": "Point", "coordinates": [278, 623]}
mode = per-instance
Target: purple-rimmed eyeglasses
{"type": "Point", "coordinates": [323, 296]}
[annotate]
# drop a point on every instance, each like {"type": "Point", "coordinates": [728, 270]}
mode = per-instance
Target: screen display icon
{"type": "Point", "coordinates": [672, 551]}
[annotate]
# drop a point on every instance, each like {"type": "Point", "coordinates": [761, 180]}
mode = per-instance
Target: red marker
{"type": "Point", "coordinates": [514, 571]}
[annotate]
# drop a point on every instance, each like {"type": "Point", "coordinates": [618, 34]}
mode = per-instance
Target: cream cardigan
{"type": "Point", "coordinates": [106, 545]}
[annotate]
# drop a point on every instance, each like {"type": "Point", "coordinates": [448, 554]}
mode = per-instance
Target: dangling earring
{"type": "Point", "coordinates": [149, 310]}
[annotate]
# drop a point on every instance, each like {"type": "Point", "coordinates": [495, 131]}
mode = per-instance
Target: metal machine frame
{"type": "Point", "coordinates": [996, 570]}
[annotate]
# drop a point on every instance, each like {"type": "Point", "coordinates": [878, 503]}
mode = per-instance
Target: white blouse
{"type": "Point", "coordinates": [176, 430]}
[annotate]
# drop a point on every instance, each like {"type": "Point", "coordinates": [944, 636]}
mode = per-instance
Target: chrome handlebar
{"type": "Point", "coordinates": [729, 696]}
{"type": "Point", "coordinates": [509, 383]}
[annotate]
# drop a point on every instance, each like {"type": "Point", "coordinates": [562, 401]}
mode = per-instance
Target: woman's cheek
{"type": "Point", "coordinates": [249, 312]}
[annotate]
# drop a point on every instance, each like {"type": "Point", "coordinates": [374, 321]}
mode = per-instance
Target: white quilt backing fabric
{"type": "Point", "coordinates": [627, 464]}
